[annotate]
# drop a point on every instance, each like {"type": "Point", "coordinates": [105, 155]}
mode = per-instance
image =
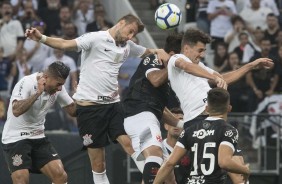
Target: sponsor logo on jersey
{"type": "Point", "coordinates": [200, 134]}
{"type": "Point", "coordinates": [33, 133]}
{"type": "Point", "coordinates": [228, 133]}
{"type": "Point", "coordinates": [182, 134]}
{"type": "Point", "coordinates": [205, 100]}
{"type": "Point", "coordinates": [196, 180]}
{"type": "Point", "coordinates": [107, 50]}
{"type": "Point", "coordinates": [146, 61]}
{"type": "Point", "coordinates": [87, 139]}
{"type": "Point", "coordinates": [17, 160]}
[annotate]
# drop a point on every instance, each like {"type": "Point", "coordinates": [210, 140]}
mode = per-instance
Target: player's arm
{"type": "Point", "coordinates": [177, 153]}
{"type": "Point", "coordinates": [57, 43]}
{"type": "Point", "coordinates": [198, 71]}
{"type": "Point", "coordinates": [171, 120]}
{"type": "Point", "coordinates": [157, 77]}
{"type": "Point", "coordinates": [237, 178]}
{"type": "Point", "coordinates": [21, 106]}
{"type": "Point", "coordinates": [162, 55]}
{"type": "Point", "coordinates": [226, 161]}
{"type": "Point", "coordinates": [71, 109]}
{"type": "Point", "coordinates": [235, 75]}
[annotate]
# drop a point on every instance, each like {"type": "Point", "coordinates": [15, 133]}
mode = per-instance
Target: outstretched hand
{"type": "Point", "coordinates": [263, 63]}
{"type": "Point", "coordinates": [163, 56]}
{"type": "Point", "coordinates": [33, 34]}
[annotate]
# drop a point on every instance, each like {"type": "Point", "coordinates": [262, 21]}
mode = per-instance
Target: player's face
{"type": "Point", "coordinates": [125, 32]}
{"type": "Point", "coordinates": [53, 84]}
{"type": "Point", "coordinates": [195, 52]}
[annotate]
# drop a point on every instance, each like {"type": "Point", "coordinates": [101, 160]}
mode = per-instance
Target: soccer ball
{"type": "Point", "coordinates": [168, 16]}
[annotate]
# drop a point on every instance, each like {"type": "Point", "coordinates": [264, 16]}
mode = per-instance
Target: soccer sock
{"type": "Point", "coordinates": [139, 164]}
{"type": "Point", "coordinates": [152, 165]}
{"type": "Point", "coordinates": [100, 178]}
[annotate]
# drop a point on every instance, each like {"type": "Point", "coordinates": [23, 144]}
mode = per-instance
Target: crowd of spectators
{"type": "Point", "coordinates": [242, 30]}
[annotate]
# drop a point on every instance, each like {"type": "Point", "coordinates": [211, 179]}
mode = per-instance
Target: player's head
{"type": "Point", "coordinates": [55, 75]}
{"type": "Point", "coordinates": [194, 44]}
{"type": "Point", "coordinates": [218, 102]}
{"type": "Point", "coordinates": [173, 43]}
{"type": "Point", "coordinates": [127, 27]}
{"type": "Point", "coordinates": [174, 132]}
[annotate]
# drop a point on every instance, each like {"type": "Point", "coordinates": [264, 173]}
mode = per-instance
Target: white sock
{"type": "Point", "coordinates": [100, 178]}
{"type": "Point", "coordinates": [140, 164]}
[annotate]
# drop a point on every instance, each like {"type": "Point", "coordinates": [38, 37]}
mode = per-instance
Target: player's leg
{"type": "Point", "coordinates": [55, 171]}
{"type": "Point", "coordinates": [93, 128]}
{"type": "Point", "coordinates": [17, 157]}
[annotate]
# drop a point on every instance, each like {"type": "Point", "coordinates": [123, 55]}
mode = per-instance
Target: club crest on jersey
{"type": "Point", "coordinates": [200, 134]}
{"type": "Point", "coordinates": [159, 138]}
{"type": "Point", "coordinates": [17, 160]}
{"type": "Point", "coordinates": [87, 139]}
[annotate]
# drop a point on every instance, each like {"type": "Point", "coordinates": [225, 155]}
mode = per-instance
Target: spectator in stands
{"type": "Point", "coordinates": [50, 15]}
{"type": "Point", "coordinates": [272, 29]}
{"type": "Point", "coordinates": [29, 15]}
{"type": "Point", "coordinates": [202, 20]}
{"type": "Point", "coordinates": [255, 16]}
{"type": "Point", "coordinates": [220, 13]}
{"type": "Point", "coordinates": [271, 4]}
{"type": "Point", "coordinates": [36, 51]}
{"type": "Point", "coordinates": [11, 32]}
{"type": "Point", "coordinates": [274, 50]}
{"type": "Point", "coordinates": [65, 16]}
{"type": "Point", "coordinates": [243, 41]}
{"type": "Point", "coordinates": [232, 36]}
{"type": "Point", "coordinates": [83, 15]}
{"type": "Point", "coordinates": [253, 46]}
{"type": "Point", "coordinates": [238, 90]}
{"type": "Point", "coordinates": [99, 22]}
{"type": "Point", "coordinates": [278, 71]}
{"type": "Point", "coordinates": [58, 55]}
{"type": "Point", "coordinates": [20, 5]}
{"type": "Point", "coordinates": [262, 82]}
{"type": "Point", "coordinates": [220, 56]}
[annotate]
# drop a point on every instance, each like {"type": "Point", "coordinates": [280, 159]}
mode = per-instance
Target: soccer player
{"type": "Point", "coordinates": [182, 168]}
{"type": "Point", "coordinates": [212, 143]}
{"type": "Point", "coordinates": [26, 149]}
{"type": "Point", "coordinates": [145, 103]}
{"type": "Point", "coordinates": [192, 90]}
{"type": "Point", "coordinates": [99, 113]}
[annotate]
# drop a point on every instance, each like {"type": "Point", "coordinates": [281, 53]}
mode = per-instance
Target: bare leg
{"type": "Point", "coordinates": [20, 176]}
{"type": "Point", "coordinates": [55, 171]}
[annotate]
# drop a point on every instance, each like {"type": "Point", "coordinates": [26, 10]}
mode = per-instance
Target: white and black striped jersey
{"type": "Point", "coordinates": [142, 95]}
{"type": "Point", "coordinates": [202, 140]}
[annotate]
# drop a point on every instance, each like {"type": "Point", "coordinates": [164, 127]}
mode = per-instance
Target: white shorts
{"type": "Point", "coordinates": [144, 131]}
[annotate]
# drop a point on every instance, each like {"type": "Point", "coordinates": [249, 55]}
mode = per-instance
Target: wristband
{"type": "Point", "coordinates": [43, 39]}
{"type": "Point", "coordinates": [180, 124]}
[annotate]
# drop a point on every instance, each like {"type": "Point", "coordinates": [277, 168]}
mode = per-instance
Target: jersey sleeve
{"type": "Point", "coordinates": [151, 63]}
{"type": "Point", "coordinates": [136, 50]}
{"type": "Point", "coordinates": [230, 137]}
{"type": "Point", "coordinates": [206, 68]}
{"type": "Point", "coordinates": [86, 41]}
{"type": "Point", "coordinates": [63, 98]}
{"type": "Point", "coordinates": [183, 139]}
{"type": "Point", "coordinates": [22, 89]}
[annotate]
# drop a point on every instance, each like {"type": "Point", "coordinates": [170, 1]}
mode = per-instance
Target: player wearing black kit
{"type": "Point", "coordinates": [212, 143]}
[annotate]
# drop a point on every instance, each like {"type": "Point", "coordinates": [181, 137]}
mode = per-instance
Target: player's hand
{"type": "Point", "coordinates": [41, 84]}
{"type": "Point", "coordinates": [247, 174]}
{"type": "Point", "coordinates": [162, 56]}
{"type": "Point", "coordinates": [33, 34]}
{"type": "Point", "coordinates": [220, 82]}
{"type": "Point", "coordinates": [263, 63]}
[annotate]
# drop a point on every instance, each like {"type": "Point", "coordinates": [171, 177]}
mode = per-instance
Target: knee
{"type": "Point", "coordinates": [98, 166]}
{"type": "Point", "coordinates": [20, 177]}
{"type": "Point", "coordinates": [59, 175]}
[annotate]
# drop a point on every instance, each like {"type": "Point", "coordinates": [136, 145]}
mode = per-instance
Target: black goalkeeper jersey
{"type": "Point", "coordinates": [142, 95]}
{"type": "Point", "coordinates": [202, 140]}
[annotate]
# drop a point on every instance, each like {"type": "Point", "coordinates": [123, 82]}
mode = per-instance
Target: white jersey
{"type": "Point", "coordinates": [100, 63]}
{"type": "Point", "coordinates": [190, 90]}
{"type": "Point", "coordinates": [30, 125]}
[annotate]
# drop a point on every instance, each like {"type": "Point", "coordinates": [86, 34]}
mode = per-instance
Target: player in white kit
{"type": "Point", "coordinates": [99, 113]}
{"type": "Point", "coordinates": [26, 149]}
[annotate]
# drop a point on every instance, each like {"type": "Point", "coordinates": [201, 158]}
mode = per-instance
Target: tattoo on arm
{"type": "Point", "coordinates": [21, 106]}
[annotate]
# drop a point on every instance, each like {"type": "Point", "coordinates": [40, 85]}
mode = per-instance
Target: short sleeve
{"type": "Point", "coordinates": [230, 137]}
{"type": "Point", "coordinates": [136, 50]}
{"type": "Point", "coordinates": [63, 98]}
{"type": "Point", "coordinates": [151, 63]}
{"type": "Point", "coordinates": [22, 89]}
{"type": "Point", "coordinates": [86, 41]}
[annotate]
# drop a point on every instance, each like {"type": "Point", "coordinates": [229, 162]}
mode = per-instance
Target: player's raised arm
{"type": "Point", "coordinates": [57, 43]}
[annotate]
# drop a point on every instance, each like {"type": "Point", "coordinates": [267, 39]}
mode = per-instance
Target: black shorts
{"type": "Point", "coordinates": [31, 154]}
{"type": "Point", "coordinates": [98, 123]}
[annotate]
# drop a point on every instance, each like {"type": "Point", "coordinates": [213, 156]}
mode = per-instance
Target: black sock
{"type": "Point", "coordinates": [150, 172]}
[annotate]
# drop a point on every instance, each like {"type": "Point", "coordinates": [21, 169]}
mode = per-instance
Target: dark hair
{"type": "Point", "coordinates": [129, 18]}
{"type": "Point", "coordinates": [271, 15]}
{"type": "Point", "coordinates": [193, 36]}
{"type": "Point", "coordinates": [176, 110]}
{"type": "Point", "coordinates": [58, 69]}
{"type": "Point", "coordinates": [218, 101]}
{"type": "Point", "coordinates": [173, 43]}
{"type": "Point", "coordinates": [237, 18]}
{"type": "Point", "coordinates": [219, 60]}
